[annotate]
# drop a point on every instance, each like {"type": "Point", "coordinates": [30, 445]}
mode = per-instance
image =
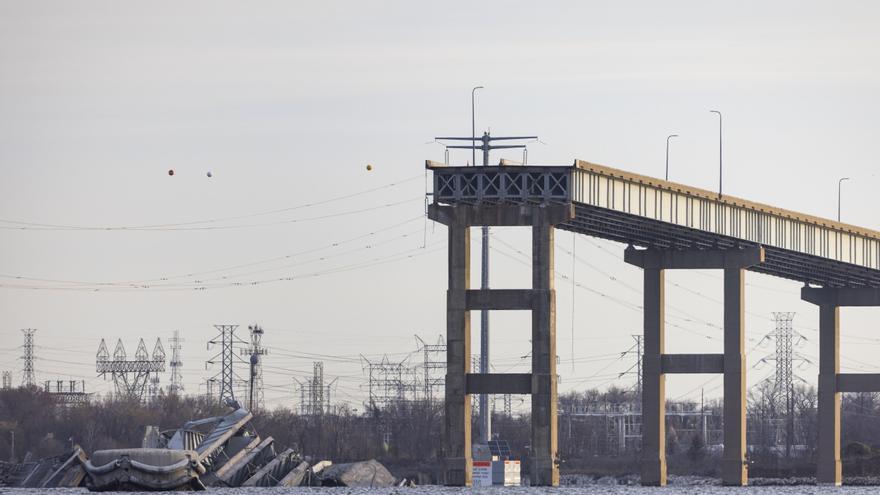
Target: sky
{"type": "Point", "coordinates": [285, 104]}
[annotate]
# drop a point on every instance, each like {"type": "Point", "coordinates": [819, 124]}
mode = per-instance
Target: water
{"type": "Point", "coordinates": [578, 490]}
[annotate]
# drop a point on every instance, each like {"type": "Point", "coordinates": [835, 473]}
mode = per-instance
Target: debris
{"type": "Point", "coordinates": [367, 474]}
{"type": "Point", "coordinates": [144, 469]}
{"type": "Point", "coordinates": [61, 471]}
{"type": "Point", "coordinates": [222, 451]}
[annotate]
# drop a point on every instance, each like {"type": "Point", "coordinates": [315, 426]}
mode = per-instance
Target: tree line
{"type": "Point", "coordinates": [598, 430]}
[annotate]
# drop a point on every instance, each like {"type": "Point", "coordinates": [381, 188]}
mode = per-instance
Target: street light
{"type": "Point", "coordinates": [720, 168]}
{"type": "Point", "coordinates": [473, 128]}
{"type": "Point", "coordinates": [839, 184]}
{"type": "Point", "coordinates": [667, 153]}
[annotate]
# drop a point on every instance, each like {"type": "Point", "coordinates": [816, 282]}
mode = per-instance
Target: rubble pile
{"type": "Point", "coordinates": [222, 451]}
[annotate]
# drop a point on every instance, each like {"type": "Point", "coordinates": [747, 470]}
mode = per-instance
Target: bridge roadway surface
{"type": "Point", "coordinates": [648, 212]}
{"type": "Point", "coordinates": [676, 227]}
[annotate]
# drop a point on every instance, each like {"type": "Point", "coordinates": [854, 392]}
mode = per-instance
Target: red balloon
{"type": "Point", "coordinates": [171, 172]}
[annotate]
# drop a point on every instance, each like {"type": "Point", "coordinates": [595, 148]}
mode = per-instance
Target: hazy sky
{"type": "Point", "coordinates": [286, 103]}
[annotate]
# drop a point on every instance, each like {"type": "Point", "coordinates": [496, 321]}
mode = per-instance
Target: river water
{"type": "Point", "coordinates": [578, 490]}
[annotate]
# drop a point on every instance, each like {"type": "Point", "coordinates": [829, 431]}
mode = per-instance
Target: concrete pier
{"type": "Point", "coordinates": [541, 383]}
{"type": "Point", "coordinates": [545, 470]}
{"type": "Point", "coordinates": [831, 381]}
{"type": "Point", "coordinates": [656, 363]}
{"type": "Point", "coordinates": [653, 380]}
{"type": "Point", "coordinates": [457, 425]}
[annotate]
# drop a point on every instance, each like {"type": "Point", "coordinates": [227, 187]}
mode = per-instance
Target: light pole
{"type": "Point", "coordinates": [485, 416]}
{"type": "Point", "coordinates": [720, 154]}
{"type": "Point", "coordinates": [839, 184]}
{"type": "Point", "coordinates": [474, 128]}
{"type": "Point", "coordinates": [667, 153]}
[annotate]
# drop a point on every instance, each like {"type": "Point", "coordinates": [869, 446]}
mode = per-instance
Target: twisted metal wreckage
{"type": "Point", "coordinates": [213, 452]}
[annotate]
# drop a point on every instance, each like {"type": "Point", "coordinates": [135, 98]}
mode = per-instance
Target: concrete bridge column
{"type": "Point", "coordinates": [828, 468]}
{"type": "Point", "coordinates": [544, 467]}
{"type": "Point", "coordinates": [656, 363]}
{"type": "Point", "coordinates": [541, 383]}
{"type": "Point", "coordinates": [654, 381]}
{"type": "Point", "coordinates": [831, 381]}
{"type": "Point", "coordinates": [457, 440]}
{"type": "Point", "coordinates": [733, 460]}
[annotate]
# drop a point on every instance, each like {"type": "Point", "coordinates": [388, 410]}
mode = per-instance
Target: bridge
{"type": "Point", "coordinates": [666, 226]}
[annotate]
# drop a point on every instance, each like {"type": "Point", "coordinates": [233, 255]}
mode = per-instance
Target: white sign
{"type": "Point", "coordinates": [481, 475]}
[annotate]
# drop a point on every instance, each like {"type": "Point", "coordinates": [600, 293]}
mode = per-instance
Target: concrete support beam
{"type": "Point", "coordinates": [503, 299]}
{"type": "Point", "coordinates": [731, 363]}
{"type": "Point", "coordinates": [457, 417]}
{"type": "Point", "coordinates": [828, 468]}
{"type": "Point", "coordinates": [843, 296]}
{"type": "Point", "coordinates": [733, 460]}
{"type": "Point", "coordinates": [686, 259]}
{"type": "Point", "coordinates": [499, 383]}
{"type": "Point", "coordinates": [692, 363]}
{"type": "Point", "coordinates": [858, 382]}
{"type": "Point", "coordinates": [831, 381]}
{"type": "Point", "coordinates": [653, 381]}
{"type": "Point", "coordinates": [544, 466]}
{"type": "Point", "coordinates": [501, 215]}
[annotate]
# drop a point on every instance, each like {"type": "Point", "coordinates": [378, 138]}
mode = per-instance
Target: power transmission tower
{"type": "Point", "coordinates": [255, 352]}
{"type": "Point", "coordinates": [636, 368]}
{"type": "Point", "coordinates": [476, 405]}
{"type": "Point", "coordinates": [69, 393]}
{"type": "Point", "coordinates": [786, 339]}
{"type": "Point", "coordinates": [485, 430]}
{"type": "Point", "coordinates": [314, 395]}
{"type": "Point", "coordinates": [7, 380]}
{"type": "Point", "coordinates": [27, 373]}
{"type": "Point", "coordinates": [317, 391]}
{"type": "Point", "coordinates": [176, 387]}
{"type": "Point", "coordinates": [158, 354]}
{"type": "Point", "coordinates": [386, 384]}
{"type": "Point", "coordinates": [130, 377]}
{"type": "Point", "coordinates": [228, 377]}
{"type": "Point", "coordinates": [209, 388]}
{"type": "Point", "coordinates": [434, 368]}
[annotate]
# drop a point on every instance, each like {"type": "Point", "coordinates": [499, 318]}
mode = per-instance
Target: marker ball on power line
{"type": "Point", "coordinates": [369, 168]}
{"type": "Point", "coordinates": [210, 174]}
{"type": "Point", "coordinates": [171, 171]}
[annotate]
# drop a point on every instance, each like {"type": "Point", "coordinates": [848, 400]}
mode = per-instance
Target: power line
{"type": "Point", "coordinates": [395, 257]}
{"type": "Point", "coordinates": [166, 278]}
{"type": "Point", "coordinates": [24, 225]}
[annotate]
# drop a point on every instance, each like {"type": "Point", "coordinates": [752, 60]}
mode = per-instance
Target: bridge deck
{"type": "Point", "coordinates": [648, 212]}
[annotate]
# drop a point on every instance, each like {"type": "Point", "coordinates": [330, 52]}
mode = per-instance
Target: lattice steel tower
{"type": "Point", "coordinates": [786, 339]}
{"type": "Point", "coordinates": [784, 383]}
{"type": "Point", "coordinates": [386, 383]}
{"type": "Point", "coordinates": [130, 377]}
{"type": "Point", "coordinates": [27, 373]}
{"type": "Point", "coordinates": [176, 387]}
{"type": "Point", "coordinates": [636, 368]}
{"type": "Point", "coordinates": [434, 368]}
{"type": "Point", "coordinates": [314, 395]}
{"type": "Point", "coordinates": [255, 351]}
{"type": "Point", "coordinates": [228, 378]}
